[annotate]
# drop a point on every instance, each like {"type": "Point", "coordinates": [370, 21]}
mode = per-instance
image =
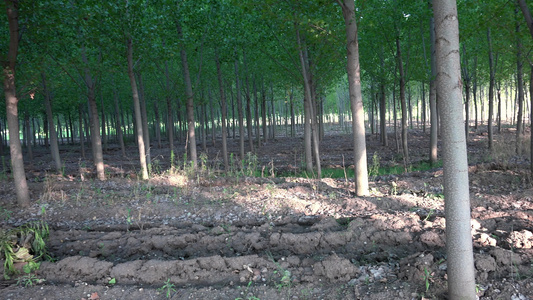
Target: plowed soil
{"type": "Point", "coordinates": [218, 237]}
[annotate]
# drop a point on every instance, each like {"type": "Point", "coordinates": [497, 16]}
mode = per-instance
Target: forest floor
{"type": "Point", "coordinates": [215, 237]}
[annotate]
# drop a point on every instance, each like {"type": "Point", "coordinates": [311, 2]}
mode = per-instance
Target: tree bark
{"type": "Point", "coordinates": [96, 140]}
{"type": "Point", "coordinates": [433, 118]}
{"type": "Point", "coordinates": [190, 102]}
{"type": "Point", "coordinates": [144, 117]}
{"type": "Point", "coordinates": [520, 93]}
{"type": "Point", "coordinates": [223, 112]}
{"type": "Point", "coordinates": [491, 90]}
{"type": "Point", "coordinates": [403, 105]}
{"type": "Point", "coordinates": [356, 99]}
{"type": "Point", "coordinates": [467, 80]}
{"type": "Point", "coordinates": [307, 110]}
{"type": "Point", "coordinates": [137, 109]}
{"type": "Point", "coordinates": [118, 125]}
{"type": "Point", "coordinates": [17, 160]}
{"type": "Point", "coordinates": [170, 117]}
{"type": "Point", "coordinates": [239, 108]}
{"type": "Point", "coordinates": [249, 120]}
{"type": "Point", "coordinates": [54, 147]}
{"type": "Point", "coordinates": [460, 261]}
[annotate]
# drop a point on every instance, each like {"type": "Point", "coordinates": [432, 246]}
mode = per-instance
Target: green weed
{"type": "Point", "coordinates": [24, 244]}
{"type": "Point", "coordinates": [167, 289]}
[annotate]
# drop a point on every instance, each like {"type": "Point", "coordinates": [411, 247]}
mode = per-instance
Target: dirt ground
{"type": "Point", "coordinates": [213, 237]}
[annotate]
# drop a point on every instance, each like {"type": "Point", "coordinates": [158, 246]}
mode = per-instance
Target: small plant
{"type": "Point", "coordinates": [167, 289]}
{"type": "Point", "coordinates": [431, 211]}
{"type": "Point", "coordinates": [428, 278]}
{"type": "Point", "coordinates": [25, 244]}
{"type": "Point", "coordinates": [245, 292]}
{"type": "Point", "coordinates": [394, 189]}
{"type": "Point", "coordinates": [5, 214]}
{"type": "Point", "coordinates": [28, 280]}
{"type": "Point", "coordinates": [373, 171]}
{"type": "Point", "coordinates": [249, 164]}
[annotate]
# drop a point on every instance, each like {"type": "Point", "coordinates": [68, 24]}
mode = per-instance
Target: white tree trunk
{"type": "Point", "coordinates": [356, 99]}
{"type": "Point", "coordinates": [461, 275]}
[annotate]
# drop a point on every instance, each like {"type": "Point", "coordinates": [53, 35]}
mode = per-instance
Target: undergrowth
{"type": "Point", "coordinates": [25, 244]}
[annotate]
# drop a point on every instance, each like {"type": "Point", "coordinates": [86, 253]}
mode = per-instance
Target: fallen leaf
{"type": "Point", "coordinates": [94, 296]}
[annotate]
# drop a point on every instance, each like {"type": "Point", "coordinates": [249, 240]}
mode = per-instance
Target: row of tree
{"type": "Point", "coordinates": [249, 49]}
{"type": "Point", "coordinates": [187, 62]}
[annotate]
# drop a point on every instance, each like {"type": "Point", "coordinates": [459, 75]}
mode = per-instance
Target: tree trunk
{"type": "Point", "coordinates": [223, 112]}
{"type": "Point", "coordinates": [157, 125]}
{"type": "Point", "coordinates": [104, 130]}
{"type": "Point", "coordinates": [520, 91]}
{"type": "Point", "coordinates": [307, 110]}
{"type": "Point", "coordinates": [50, 117]}
{"type": "Point", "coordinates": [190, 102]}
{"type": "Point", "coordinates": [17, 160]}
{"type": "Point", "coordinates": [82, 135]}
{"type": "Point", "coordinates": [474, 92]}
{"type": "Point", "coordinates": [460, 261]}
{"type": "Point", "coordinates": [249, 120]}
{"type": "Point", "coordinates": [239, 108]}
{"type": "Point", "coordinates": [403, 105]}
{"type": "Point", "coordinates": [491, 90]}
{"type": "Point", "coordinates": [118, 125]}
{"type": "Point", "coordinates": [531, 101]}
{"type": "Point", "coordinates": [170, 117]}
{"type": "Point", "coordinates": [137, 109]}
{"type": "Point", "coordinates": [96, 140]}
{"type": "Point", "coordinates": [27, 136]}
{"type": "Point", "coordinates": [144, 117]}
{"type": "Point", "coordinates": [356, 99]}
{"type": "Point", "coordinates": [263, 111]}
{"type": "Point", "coordinates": [467, 79]}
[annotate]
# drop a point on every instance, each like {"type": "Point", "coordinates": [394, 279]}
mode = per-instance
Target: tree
{"type": "Point", "coordinates": [461, 275]}
{"type": "Point", "coordinates": [137, 109]}
{"type": "Point", "coordinates": [356, 99]}
{"type": "Point", "coordinates": [8, 65]}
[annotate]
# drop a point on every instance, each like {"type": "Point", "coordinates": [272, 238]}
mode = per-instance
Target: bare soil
{"type": "Point", "coordinates": [218, 237]}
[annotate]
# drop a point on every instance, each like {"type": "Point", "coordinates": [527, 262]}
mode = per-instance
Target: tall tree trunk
{"type": "Point", "coordinates": [520, 91]}
{"type": "Point", "coordinates": [492, 68]}
{"type": "Point", "coordinates": [190, 102]}
{"type": "Point", "coordinates": [467, 80]}
{"type": "Point", "coordinates": [104, 130]}
{"type": "Point", "coordinates": [54, 147]}
{"type": "Point", "coordinates": [264, 111]}
{"type": "Point", "coordinates": [170, 116]}
{"type": "Point", "coordinates": [256, 115]}
{"type": "Point", "coordinates": [137, 109]}
{"type": "Point", "coordinates": [213, 117]}
{"type": "Point", "coordinates": [96, 140]}
{"type": "Point", "coordinates": [223, 113]}
{"type": "Point", "coordinates": [403, 105]}
{"type": "Point", "coordinates": [157, 125]}
{"type": "Point", "coordinates": [531, 101]}
{"type": "Point", "coordinates": [239, 108]}
{"type": "Point", "coordinates": [144, 116]}
{"type": "Point", "coordinates": [17, 160]}
{"type": "Point", "coordinates": [27, 136]}
{"type": "Point", "coordinates": [118, 125]}
{"type": "Point", "coordinates": [249, 120]}
{"type": "Point", "coordinates": [460, 261]}
{"type": "Point", "coordinates": [356, 99]}
{"type": "Point", "coordinates": [82, 135]}
{"type": "Point", "coordinates": [474, 92]}
{"type": "Point", "coordinates": [307, 109]}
